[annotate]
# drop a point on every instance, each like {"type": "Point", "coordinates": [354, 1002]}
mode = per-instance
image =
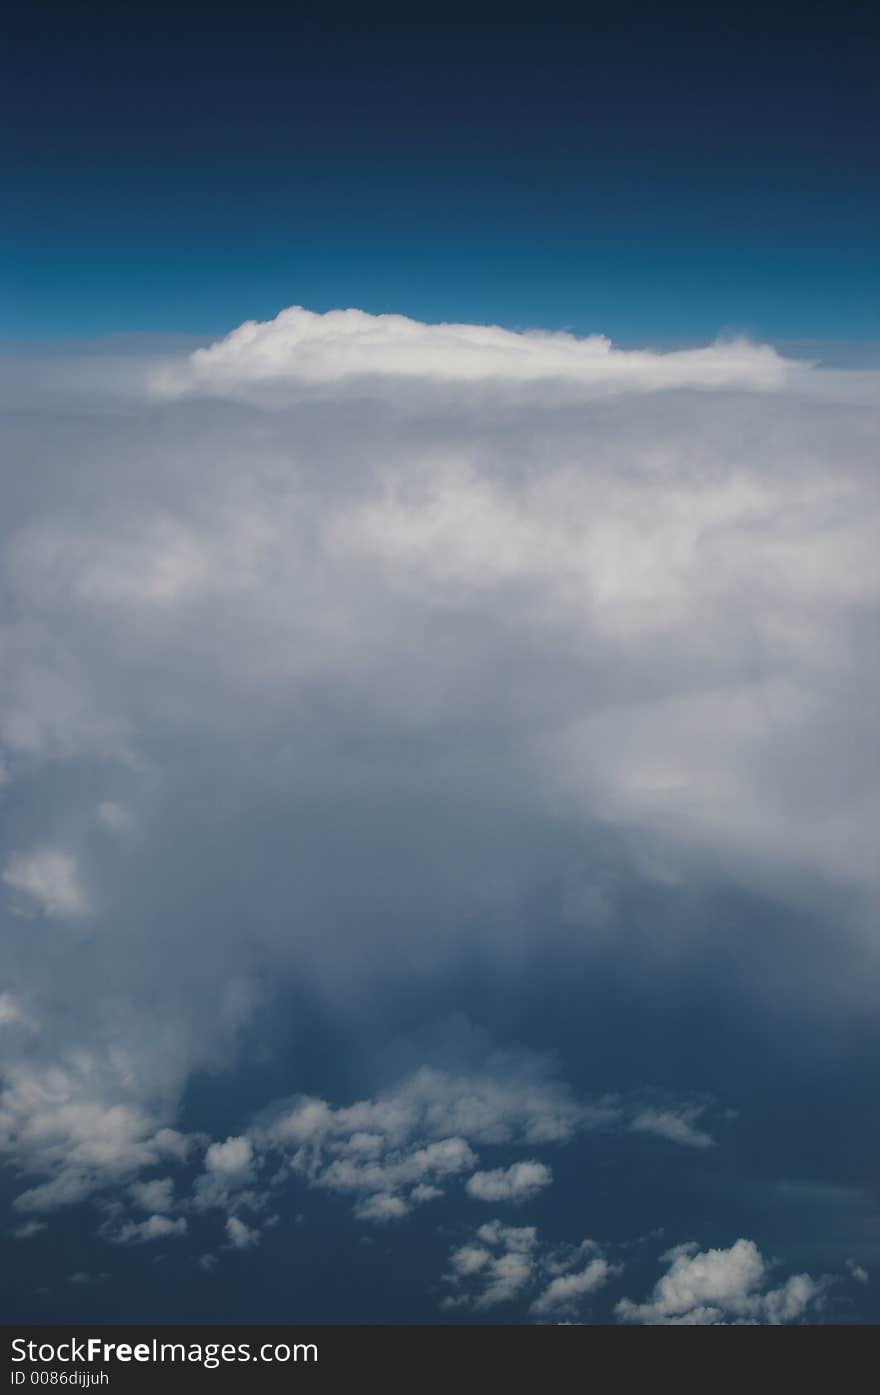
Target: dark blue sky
{"type": "Point", "coordinates": [643, 171]}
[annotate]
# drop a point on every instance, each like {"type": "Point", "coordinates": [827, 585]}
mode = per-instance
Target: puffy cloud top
{"type": "Point", "coordinates": [707, 1287]}
{"type": "Point", "coordinates": [348, 343]}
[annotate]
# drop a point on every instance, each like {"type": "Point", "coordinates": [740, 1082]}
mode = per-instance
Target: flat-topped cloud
{"type": "Point", "coordinates": [344, 344]}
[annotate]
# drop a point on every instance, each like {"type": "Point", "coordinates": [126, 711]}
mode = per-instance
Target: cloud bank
{"type": "Point", "coordinates": [348, 652]}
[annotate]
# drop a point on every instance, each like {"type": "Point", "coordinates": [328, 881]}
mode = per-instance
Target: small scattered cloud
{"type": "Point", "coordinates": [564, 1293]}
{"type": "Point", "coordinates": [229, 1171]}
{"type": "Point", "coordinates": [404, 1147]}
{"type": "Point", "coordinates": [501, 1264]}
{"type": "Point", "coordinates": [519, 1182]}
{"type": "Point", "coordinates": [231, 1162]}
{"type": "Point", "coordinates": [675, 1125]}
{"type": "Point", "coordinates": [28, 1230]}
{"type": "Point", "coordinates": [156, 1227]}
{"type": "Point", "coordinates": [241, 1236]}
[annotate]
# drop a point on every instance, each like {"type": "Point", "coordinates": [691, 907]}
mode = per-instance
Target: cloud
{"type": "Point", "coordinates": [512, 1099]}
{"type": "Point", "coordinates": [385, 1206]}
{"type": "Point", "coordinates": [501, 1264]}
{"type": "Point", "coordinates": [241, 1236]}
{"type": "Point", "coordinates": [378, 1182]}
{"type": "Point", "coordinates": [407, 1145]}
{"type": "Point", "coordinates": [230, 1168]}
{"type": "Point", "coordinates": [386, 1155]}
{"type": "Point", "coordinates": [350, 343]}
{"type": "Point", "coordinates": [28, 1230]}
{"type": "Point", "coordinates": [49, 882]}
{"type": "Point", "coordinates": [402, 1148]}
{"type": "Point", "coordinates": [563, 1293]}
{"type": "Point", "coordinates": [708, 1287]}
{"type": "Point", "coordinates": [519, 1182]}
{"type": "Point", "coordinates": [73, 1123]}
{"type": "Point", "coordinates": [414, 654]}
{"type": "Point", "coordinates": [230, 1161]}
{"type": "Point", "coordinates": [155, 1227]}
{"type": "Point", "coordinates": [157, 1195]}
{"type": "Point", "coordinates": [677, 1126]}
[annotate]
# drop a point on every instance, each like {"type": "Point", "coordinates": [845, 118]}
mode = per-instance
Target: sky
{"type": "Point", "coordinates": [438, 732]}
{"type": "Point", "coordinates": [648, 171]}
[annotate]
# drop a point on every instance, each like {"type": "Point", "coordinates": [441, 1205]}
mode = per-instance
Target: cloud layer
{"type": "Point", "coordinates": [350, 652]}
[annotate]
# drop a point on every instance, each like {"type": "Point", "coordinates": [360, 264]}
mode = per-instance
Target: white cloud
{"type": "Point", "coordinates": [346, 1172]}
{"type": "Point", "coordinates": [230, 1168]}
{"type": "Point", "coordinates": [509, 1265]}
{"type": "Point", "coordinates": [677, 1126]}
{"type": "Point", "coordinates": [563, 1293]}
{"type": "Point", "coordinates": [49, 881]}
{"type": "Point", "coordinates": [407, 1145]}
{"type": "Point", "coordinates": [402, 1148]}
{"type": "Point", "coordinates": [384, 1206]}
{"type": "Point", "coordinates": [68, 1123]}
{"type": "Point", "coordinates": [512, 1101]}
{"type": "Point", "coordinates": [468, 1260]}
{"type": "Point", "coordinates": [501, 1264]}
{"type": "Point", "coordinates": [384, 1153]}
{"type": "Point", "coordinates": [707, 1287]}
{"type": "Point", "coordinates": [397, 661]}
{"type": "Point", "coordinates": [519, 1182]}
{"type": "Point", "coordinates": [156, 1227]}
{"type": "Point", "coordinates": [154, 1196]}
{"type": "Point", "coordinates": [347, 343]}
{"type": "Point", "coordinates": [231, 1161]}
{"type": "Point", "coordinates": [241, 1236]}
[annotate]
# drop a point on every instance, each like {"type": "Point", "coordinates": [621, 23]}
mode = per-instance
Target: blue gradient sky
{"type": "Point", "coordinates": [646, 172]}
